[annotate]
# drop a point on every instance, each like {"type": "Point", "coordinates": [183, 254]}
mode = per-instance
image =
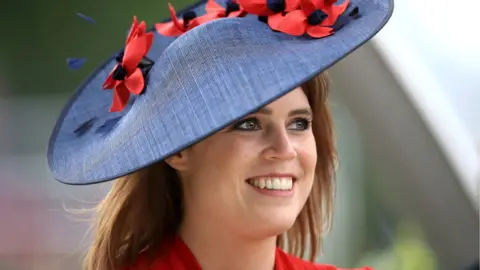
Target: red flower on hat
{"type": "Point", "coordinates": [215, 11]}
{"type": "Point", "coordinates": [177, 26]}
{"type": "Point", "coordinates": [316, 18]}
{"type": "Point", "coordinates": [266, 7]}
{"type": "Point", "coordinates": [126, 77]}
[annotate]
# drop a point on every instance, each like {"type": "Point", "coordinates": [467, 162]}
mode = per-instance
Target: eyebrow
{"type": "Point", "coordinates": [302, 111]}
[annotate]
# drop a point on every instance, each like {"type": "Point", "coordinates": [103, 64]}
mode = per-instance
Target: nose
{"type": "Point", "coordinates": [279, 146]}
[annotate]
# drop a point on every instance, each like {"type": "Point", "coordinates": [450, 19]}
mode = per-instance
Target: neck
{"type": "Point", "coordinates": [217, 249]}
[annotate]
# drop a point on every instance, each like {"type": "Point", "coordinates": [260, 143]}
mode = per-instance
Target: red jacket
{"type": "Point", "coordinates": [179, 257]}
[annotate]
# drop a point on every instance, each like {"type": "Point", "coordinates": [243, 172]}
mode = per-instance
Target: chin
{"type": "Point", "coordinates": [274, 225]}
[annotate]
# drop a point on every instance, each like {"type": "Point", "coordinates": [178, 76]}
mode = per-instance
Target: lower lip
{"type": "Point", "coordinates": [274, 193]}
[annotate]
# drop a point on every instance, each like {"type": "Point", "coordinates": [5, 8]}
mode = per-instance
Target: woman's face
{"type": "Point", "coordinates": [255, 176]}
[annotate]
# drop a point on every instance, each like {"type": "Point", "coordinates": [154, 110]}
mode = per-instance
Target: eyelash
{"type": "Point", "coordinates": [305, 121]}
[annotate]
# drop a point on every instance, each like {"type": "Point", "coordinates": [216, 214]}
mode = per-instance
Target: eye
{"type": "Point", "coordinates": [300, 124]}
{"type": "Point", "coordinates": [248, 124]}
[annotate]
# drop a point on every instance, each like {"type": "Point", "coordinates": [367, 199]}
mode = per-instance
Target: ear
{"type": "Point", "coordinates": [178, 161]}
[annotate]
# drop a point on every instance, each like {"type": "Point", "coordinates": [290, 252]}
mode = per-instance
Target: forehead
{"type": "Point", "coordinates": [295, 99]}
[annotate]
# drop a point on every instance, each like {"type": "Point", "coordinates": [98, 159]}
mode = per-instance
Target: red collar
{"type": "Point", "coordinates": [177, 256]}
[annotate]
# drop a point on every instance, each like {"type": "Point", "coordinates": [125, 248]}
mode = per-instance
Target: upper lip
{"type": "Point", "coordinates": [273, 175]}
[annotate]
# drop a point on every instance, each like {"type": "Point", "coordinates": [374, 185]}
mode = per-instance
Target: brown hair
{"type": "Point", "coordinates": [144, 208]}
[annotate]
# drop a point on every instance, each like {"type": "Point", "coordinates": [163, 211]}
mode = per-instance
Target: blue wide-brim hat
{"type": "Point", "coordinates": [188, 78]}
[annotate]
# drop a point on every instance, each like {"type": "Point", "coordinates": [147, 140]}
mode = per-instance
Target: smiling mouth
{"type": "Point", "coordinates": [272, 183]}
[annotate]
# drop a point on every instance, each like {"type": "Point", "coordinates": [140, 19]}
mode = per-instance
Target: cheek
{"type": "Point", "coordinates": [219, 167]}
{"type": "Point", "coordinates": [226, 155]}
{"type": "Point", "coordinates": [307, 155]}
{"type": "Point", "coordinates": [217, 179]}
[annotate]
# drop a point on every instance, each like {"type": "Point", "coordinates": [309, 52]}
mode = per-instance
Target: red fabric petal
{"type": "Point", "coordinates": [239, 13]}
{"type": "Point", "coordinates": [192, 24]}
{"type": "Point", "coordinates": [291, 5]}
{"type": "Point", "coordinates": [133, 29]}
{"type": "Point", "coordinates": [257, 7]}
{"type": "Point", "coordinates": [148, 42]}
{"type": "Point", "coordinates": [214, 7]}
{"type": "Point", "coordinates": [142, 28]}
{"type": "Point", "coordinates": [334, 12]}
{"type": "Point", "coordinates": [134, 52]}
{"type": "Point", "coordinates": [109, 82]}
{"type": "Point", "coordinates": [308, 7]}
{"type": "Point", "coordinates": [135, 82]}
{"type": "Point", "coordinates": [275, 20]}
{"type": "Point", "coordinates": [172, 29]}
{"type": "Point", "coordinates": [208, 17]}
{"type": "Point", "coordinates": [120, 98]}
{"type": "Point", "coordinates": [176, 22]}
{"type": "Point", "coordinates": [317, 31]}
{"type": "Point", "coordinates": [136, 30]}
{"type": "Point", "coordinates": [319, 4]}
{"type": "Point", "coordinates": [293, 23]}
{"type": "Point", "coordinates": [168, 29]}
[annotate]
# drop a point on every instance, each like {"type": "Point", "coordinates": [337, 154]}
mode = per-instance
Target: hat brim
{"type": "Point", "coordinates": [201, 81]}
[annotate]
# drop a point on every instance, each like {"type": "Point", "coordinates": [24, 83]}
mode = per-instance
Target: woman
{"type": "Point", "coordinates": [224, 156]}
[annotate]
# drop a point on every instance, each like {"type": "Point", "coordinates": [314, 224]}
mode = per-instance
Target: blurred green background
{"type": "Point", "coordinates": [36, 47]}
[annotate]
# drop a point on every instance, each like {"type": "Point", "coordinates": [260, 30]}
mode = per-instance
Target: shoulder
{"type": "Point", "coordinates": [173, 254]}
{"type": "Point", "coordinates": [286, 261]}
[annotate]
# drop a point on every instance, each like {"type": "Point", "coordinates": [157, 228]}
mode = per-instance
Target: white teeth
{"type": "Point", "coordinates": [274, 183]}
